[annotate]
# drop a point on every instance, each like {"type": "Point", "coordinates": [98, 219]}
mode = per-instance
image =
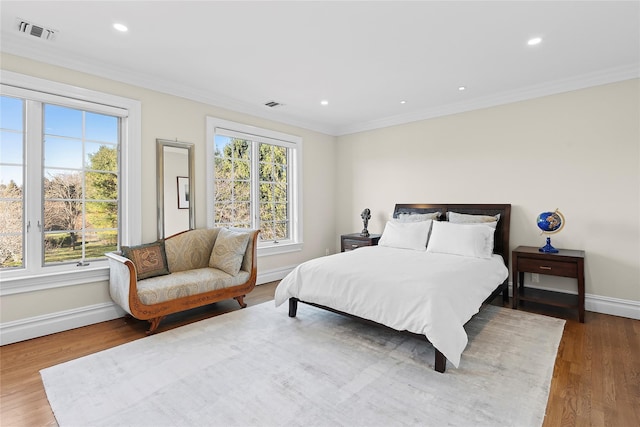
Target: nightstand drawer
{"type": "Point", "coordinates": [350, 244]}
{"type": "Point", "coordinates": [555, 268]}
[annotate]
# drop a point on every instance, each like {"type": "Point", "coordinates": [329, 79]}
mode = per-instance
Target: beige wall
{"type": "Point", "coordinates": [577, 151]}
{"type": "Point", "coordinates": [170, 117]}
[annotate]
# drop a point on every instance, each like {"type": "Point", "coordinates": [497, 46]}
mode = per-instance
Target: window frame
{"type": "Point", "coordinates": [34, 276]}
{"type": "Point", "coordinates": [256, 135]}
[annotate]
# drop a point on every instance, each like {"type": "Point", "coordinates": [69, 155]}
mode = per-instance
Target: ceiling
{"type": "Point", "coordinates": [363, 57]}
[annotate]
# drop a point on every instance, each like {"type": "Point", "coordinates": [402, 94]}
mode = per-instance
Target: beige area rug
{"type": "Point", "coordinates": [258, 367]}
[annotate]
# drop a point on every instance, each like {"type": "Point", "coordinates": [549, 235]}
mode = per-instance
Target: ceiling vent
{"type": "Point", "coordinates": [31, 29]}
{"type": "Point", "coordinates": [273, 104]}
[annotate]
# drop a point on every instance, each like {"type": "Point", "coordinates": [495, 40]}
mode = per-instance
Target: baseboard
{"type": "Point", "coordinates": [38, 326]}
{"type": "Point", "coordinates": [600, 304]}
{"type": "Point", "coordinates": [273, 275]}
{"type": "Point", "coordinates": [613, 306]}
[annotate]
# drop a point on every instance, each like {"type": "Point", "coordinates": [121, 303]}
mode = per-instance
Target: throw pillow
{"type": "Point", "coordinates": [403, 217]}
{"type": "Point", "coordinates": [150, 259]}
{"type": "Point", "coordinates": [491, 221]}
{"type": "Point", "coordinates": [228, 251]}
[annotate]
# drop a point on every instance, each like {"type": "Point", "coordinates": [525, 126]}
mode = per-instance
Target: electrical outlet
{"type": "Point", "coordinates": [326, 251]}
{"type": "Point", "coordinates": [535, 277]}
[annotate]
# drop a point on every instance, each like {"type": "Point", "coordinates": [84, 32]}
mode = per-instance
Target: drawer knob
{"type": "Point", "coordinates": [542, 267]}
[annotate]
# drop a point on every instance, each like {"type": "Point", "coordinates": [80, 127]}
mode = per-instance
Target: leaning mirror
{"type": "Point", "coordinates": [176, 196]}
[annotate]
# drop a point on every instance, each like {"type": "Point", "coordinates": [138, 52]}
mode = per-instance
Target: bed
{"type": "Point", "coordinates": [433, 269]}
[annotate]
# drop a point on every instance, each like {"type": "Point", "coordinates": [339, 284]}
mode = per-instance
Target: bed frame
{"type": "Point", "coordinates": [500, 246]}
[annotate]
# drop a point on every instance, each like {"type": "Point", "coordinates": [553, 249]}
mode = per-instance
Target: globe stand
{"type": "Point", "coordinates": [548, 248]}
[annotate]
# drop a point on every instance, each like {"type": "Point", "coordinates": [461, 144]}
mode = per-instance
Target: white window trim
{"type": "Point", "coordinates": [264, 248]}
{"type": "Point", "coordinates": [23, 280]}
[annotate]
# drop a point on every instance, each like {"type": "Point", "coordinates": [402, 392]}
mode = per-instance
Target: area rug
{"type": "Point", "coordinates": [258, 367]}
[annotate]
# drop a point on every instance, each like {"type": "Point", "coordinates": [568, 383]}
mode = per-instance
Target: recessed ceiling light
{"type": "Point", "coordinates": [461, 88]}
{"type": "Point", "coordinates": [534, 41]}
{"type": "Point", "coordinates": [403, 102]}
{"type": "Point", "coordinates": [120, 27]}
{"type": "Point", "coordinates": [324, 102]}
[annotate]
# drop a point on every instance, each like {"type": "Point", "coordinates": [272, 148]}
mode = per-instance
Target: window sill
{"type": "Point", "coordinates": [58, 279]}
{"type": "Point", "coordinates": [277, 249]}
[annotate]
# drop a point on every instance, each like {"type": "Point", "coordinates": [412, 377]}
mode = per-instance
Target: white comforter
{"type": "Point", "coordinates": [426, 293]}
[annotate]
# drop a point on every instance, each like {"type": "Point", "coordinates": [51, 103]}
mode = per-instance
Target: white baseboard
{"type": "Point", "coordinates": [38, 326]}
{"type": "Point", "coordinates": [613, 306]}
{"type": "Point", "coordinates": [273, 275]}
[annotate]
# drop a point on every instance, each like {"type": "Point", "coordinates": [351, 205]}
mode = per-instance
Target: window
{"type": "Point", "coordinates": [11, 182]}
{"type": "Point", "coordinates": [253, 180]}
{"type": "Point", "coordinates": [66, 175]}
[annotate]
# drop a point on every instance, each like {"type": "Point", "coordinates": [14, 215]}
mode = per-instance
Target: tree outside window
{"type": "Point", "coordinates": [79, 184]}
{"type": "Point", "coordinates": [233, 203]}
{"type": "Point", "coordinates": [254, 178]}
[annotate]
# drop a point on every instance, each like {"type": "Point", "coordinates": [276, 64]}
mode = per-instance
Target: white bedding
{"type": "Point", "coordinates": [426, 293]}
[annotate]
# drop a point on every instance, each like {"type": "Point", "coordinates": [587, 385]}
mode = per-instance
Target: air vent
{"type": "Point", "coordinates": [31, 29]}
{"type": "Point", "coordinates": [273, 104]}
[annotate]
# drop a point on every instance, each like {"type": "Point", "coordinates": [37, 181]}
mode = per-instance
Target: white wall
{"type": "Point", "coordinates": [170, 117]}
{"type": "Point", "coordinates": [577, 151]}
{"type": "Point", "coordinates": [176, 163]}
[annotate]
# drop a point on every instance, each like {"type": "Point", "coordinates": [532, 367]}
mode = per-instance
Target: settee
{"type": "Point", "coordinates": [184, 271]}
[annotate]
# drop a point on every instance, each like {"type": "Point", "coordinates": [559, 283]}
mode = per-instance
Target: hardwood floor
{"type": "Point", "coordinates": [596, 380]}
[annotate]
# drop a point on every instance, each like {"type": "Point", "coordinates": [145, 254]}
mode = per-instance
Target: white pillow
{"type": "Point", "coordinates": [406, 235]}
{"type": "Point", "coordinates": [472, 240]}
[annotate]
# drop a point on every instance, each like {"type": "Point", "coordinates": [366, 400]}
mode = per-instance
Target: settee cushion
{"type": "Point", "coordinates": [191, 249]}
{"type": "Point", "coordinates": [149, 259]}
{"type": "Point", "coordinates": [185, 283]}
{"type": "Point", "coordinates": [228, 250]}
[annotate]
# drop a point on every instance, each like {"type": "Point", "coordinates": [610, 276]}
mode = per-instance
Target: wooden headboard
{"type": "Point", "coordinates": [501, 237]}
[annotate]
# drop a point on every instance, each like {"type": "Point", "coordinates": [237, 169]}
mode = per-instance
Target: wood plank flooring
{"type": "Point", "coordinates": [596, 381]}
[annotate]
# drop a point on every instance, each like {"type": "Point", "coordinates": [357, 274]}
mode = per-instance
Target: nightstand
{"type": "Point", "coordinates": [565, 263]}
{"type": "Point", "coordinates": [350, 242]}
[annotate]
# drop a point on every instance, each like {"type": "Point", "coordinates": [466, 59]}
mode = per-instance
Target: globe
{"type": "Point", "coordinates": [550, 223]}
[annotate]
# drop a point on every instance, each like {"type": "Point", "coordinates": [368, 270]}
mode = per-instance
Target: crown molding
{"type": "Point", "coordinates": [602, 77]}
{"type": "Point", "coordinates": [18, 46]}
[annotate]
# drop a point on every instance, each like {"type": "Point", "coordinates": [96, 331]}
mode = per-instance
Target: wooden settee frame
{"type": "Point", "coordinates": [155, 313]}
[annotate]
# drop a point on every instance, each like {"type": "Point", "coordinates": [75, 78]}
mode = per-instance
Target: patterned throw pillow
{"type": "Point", "coordinates": [228, 251]}
{"type": "Point", "coordinates": [150, 259]}
{"type": "Point", "coordinates": [458, 218]}
{"type": "Point", "coordinates": [413, 217]}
